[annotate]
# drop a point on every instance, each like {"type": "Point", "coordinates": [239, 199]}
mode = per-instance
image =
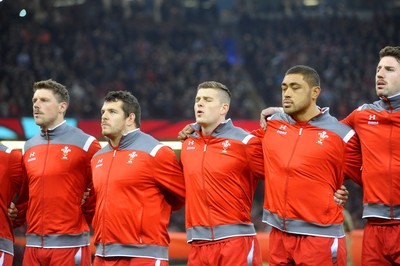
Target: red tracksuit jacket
{"type": "Point", "coordinates": [11, 182]}
{"type": "Point", "coordinates": [378, 127]}
{"type": "Point", "coordinates": [137, 185]}
{"type": "Point", "coordinates": [305, 163]}
{"type": "Point", "coordinates": [221, 173]}
{"type": "Point", "coordinates": [57, 164]}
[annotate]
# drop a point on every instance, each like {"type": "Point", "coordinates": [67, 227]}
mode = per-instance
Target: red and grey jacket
{"type": "Point", "coordinates": [11, 182]}
{"type": "Point", "coordinates": [221, 173]}
{"type": "Point", "coordinates": [57, 164]}
{"type": "Point", "coordinates": [305, 163]}
{"type": "Point", "coordinates": [137, 185]}
{"type": "Point", "coordinates": [378, 127]}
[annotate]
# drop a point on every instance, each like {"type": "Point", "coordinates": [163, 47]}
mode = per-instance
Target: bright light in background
{"type": "Point", "coordinates": [311, 2]}
{"type": "Point", "coordinates": [22, 13]}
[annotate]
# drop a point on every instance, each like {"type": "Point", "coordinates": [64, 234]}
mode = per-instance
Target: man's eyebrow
{"type": "Point", "coordinates": [290, 84]}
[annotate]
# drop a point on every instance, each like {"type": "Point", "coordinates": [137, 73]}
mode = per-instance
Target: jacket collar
{"type": "Point", "coordinates": [220, 128]}
{"type": "Point", "coordinates": [57, 130]}
{"type": "Point", "coordinates": [126, 139]}
{"type": "Point", "coordinates": [390, 103]}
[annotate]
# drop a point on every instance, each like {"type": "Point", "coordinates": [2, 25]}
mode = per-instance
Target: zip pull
{"type": "Point", "coordinates": [301, 131]}
{"type": "Point", "coordinates": [115, 151]}
{"type": "Point", "coordinates": [205, 147]}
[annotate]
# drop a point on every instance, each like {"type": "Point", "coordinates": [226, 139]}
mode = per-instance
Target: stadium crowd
{"type": "Point", "coordinates": [161, 53]}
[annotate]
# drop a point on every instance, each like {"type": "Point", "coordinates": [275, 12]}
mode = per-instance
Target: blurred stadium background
{"type": "Point", "coordinates": [161, 49]}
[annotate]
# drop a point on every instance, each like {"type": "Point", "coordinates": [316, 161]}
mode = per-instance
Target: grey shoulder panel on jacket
{"type": "Point", "coordinates": [235, 133]}
{"type": "Point", "coordinates": [137, 141]}
{"type": "Point", "coordinates": [69, 136]}
{"type": "Point", "coordinates": [330, 123]}
{"type": "Point", "coordinates": [4, 148]}
{"type": "Point", "coordinates": [323, 121]}
{"type": "Point", "coordinates": [146, 143]}
{"type": "Point", "coordinates": [376, 106]}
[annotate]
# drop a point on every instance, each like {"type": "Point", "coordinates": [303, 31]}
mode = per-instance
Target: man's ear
{"type": "Point", "coordinates": [315, 92]}
{"type": "Point", "coordinates": [131, 119]}
{"type": "Point", "coordinates": [63, 107]}
{"type": "Point", "coordinates": [224, 108]}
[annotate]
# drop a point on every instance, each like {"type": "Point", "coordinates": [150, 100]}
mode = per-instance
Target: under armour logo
{"type": "Point", "coordinates": [99, 163]}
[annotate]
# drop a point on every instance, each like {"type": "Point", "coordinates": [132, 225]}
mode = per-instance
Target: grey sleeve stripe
{"type": "Point", "coordinates": [247, 138]}
{"type": "Point", "coordinates": [155, 149]}
{"type": "Point", "coordinates": [89, 142]}
{"type": "Point", "coordinates": [349, 135]}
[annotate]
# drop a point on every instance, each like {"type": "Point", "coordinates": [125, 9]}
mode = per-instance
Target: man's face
{"type": "Point", "coordinates": [47, 111]}
{"type": "Point", "coordinates": [387, 78]}
{"type": "Point", "coordinates": [113, 120]}
{"type": "Point", "coordinates": [296, 95]}
{"type": "Point", "coordinates": [208, 109]}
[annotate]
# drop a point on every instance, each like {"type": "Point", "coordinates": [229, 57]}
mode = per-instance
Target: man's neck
{"type": "Point", "coordinates": [311, 113]}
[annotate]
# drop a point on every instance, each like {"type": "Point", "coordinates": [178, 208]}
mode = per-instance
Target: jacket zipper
{"type": "Point", "coordinates": [105, 200]}
{"type": "Point", "coordinates": [287, 177]}
{"type": "Point", "coordinates": [204, 188]}
{"type": "Point", "coordinates": [43, 171]}
{"type": "Point", "coordinates": [390, 164]}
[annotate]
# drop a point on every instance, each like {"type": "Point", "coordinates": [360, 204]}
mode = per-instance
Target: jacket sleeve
{"type": "Point", "coordinates": [256, 158]}
{"type": "Point", "coordinates": [259, 133]}
{"type": "Point", "coordinates": [15, 174]}
{"type": "Point", "coordinates": [21, 199]}
{"type": "Point", "coordinates": [169, 177]}
{"type": "Point", "coordinates": [349, 119]}
{"type": "Point", "coordinates": [353, 160]}
{"type": "Point", "coordinates": [15, 171]}
{"type": "Point", "coordinates": [89, 206]}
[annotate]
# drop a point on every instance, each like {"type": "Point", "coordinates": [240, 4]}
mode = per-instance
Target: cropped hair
{"type": "Point", "coordinates": [309, 74]}
{"type": "Point", "coordinates": [215, 85]}
{"type": "Point", "coordinates": [393, 51]}
{"type": "Point", "coordinates": [59, 90]}
{"type": "Point", "coordinates": [130, 104]}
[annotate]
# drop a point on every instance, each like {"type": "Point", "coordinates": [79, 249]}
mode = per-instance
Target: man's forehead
{"type": "Point", "coordinates": [389, 61]}
{"type": "Point", "coordinates": [112, 104]}
{"type": "Point", "coordinates": [206, 91]}
{"type": "Point", "coordinates": [43, 93]}
{"type": "Point", "coordinates": [293, 78]}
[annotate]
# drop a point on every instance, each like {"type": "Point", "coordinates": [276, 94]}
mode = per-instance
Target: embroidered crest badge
{"type": "Point", "coordinates": [225, 146]}
{"type": "Point", "coordinates": [66, 150]}
{"type": "Point", "coordinates": [322, 136]}
{"type": "Point", "coordinates": [132, 155]}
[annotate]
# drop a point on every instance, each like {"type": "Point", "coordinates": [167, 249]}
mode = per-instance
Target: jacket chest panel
{"type": "Point", "coordinates": [301, 148]}
{"type": "Point", "coordinates": [125, 170]}
{"type": "Point", "coordinates": [222, 156]}
{"type": "Point", "coordinates": [53, 162]}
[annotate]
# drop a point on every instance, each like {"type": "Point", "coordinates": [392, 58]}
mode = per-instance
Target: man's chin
{"type": "Point", "coordinates": [38, 122]}
{"type": "Point", "coordinates": [287, 110]}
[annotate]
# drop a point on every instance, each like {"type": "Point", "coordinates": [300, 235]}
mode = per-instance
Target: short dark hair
{"type": "Point", "coordinates": [215, 85]}
{"type": "Point", "coordinates": [130, 104]}
{"type": "Point", "coordinates": [393, 51]}
{"type": "Point", "coordinates": [309, 74]}
{"type": "Point", "coordinates": [59, 90]}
